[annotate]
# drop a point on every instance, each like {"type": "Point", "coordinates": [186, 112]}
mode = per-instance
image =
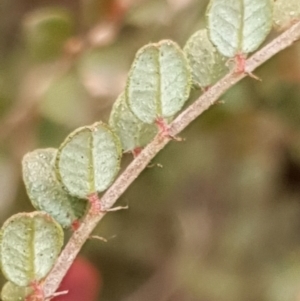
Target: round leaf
{"type": "Point", "coordinates": [239, 26]}
{"type": "Point", "coordinates": [12, 292]}
{"type": "Point", "coordinates": [88, 160]}
{"type": "Point", "coordinates": [159, 81]}
{"type": "Point", "coordinates": [30, 245]}
{"type": "Point", "coordinates": [44, 190]}
{"type": "Point", "coordinates": [132, 132]}
{"type": "Point", "coordinates": [285, 12]}
{"type": "Point", "coordinates": [206, 63]}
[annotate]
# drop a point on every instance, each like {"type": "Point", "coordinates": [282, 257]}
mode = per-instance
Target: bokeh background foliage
{"type": "Point", "coordinates": [221, 220]}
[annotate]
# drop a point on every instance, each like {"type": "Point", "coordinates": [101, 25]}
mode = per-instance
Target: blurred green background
{"type": "Point", "coordinates": [221, 220]}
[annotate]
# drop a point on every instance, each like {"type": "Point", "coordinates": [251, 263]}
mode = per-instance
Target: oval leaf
{"type": "Point", "coordinates": [206, 63]}
{"type": "Point", "coordinates": [12, 292]}
{"type": "Point", "coordinates": [132, 132]}
{"type": "Point", "coordinates": [44, 190]}
{"type": "Point", "coordinates": [159, 81]}
{"type": "Point", "coordinates": [88, 160]}
{"type": "Point", "coordinates": [30, 245]}
{"type": "Point", "coordinates": [239, 26]}
{"type": "Point", "coordinates": [285, 13]}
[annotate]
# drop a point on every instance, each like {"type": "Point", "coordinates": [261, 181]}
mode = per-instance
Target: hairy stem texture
{"type": "Point", "coordinates": [207, 99]}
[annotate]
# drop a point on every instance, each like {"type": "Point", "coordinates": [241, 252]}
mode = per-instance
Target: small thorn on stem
{"type": "Point", "coordinates": [57, 294]}
{"type": "Point", "coordinates": [253, 76]}
{"type": "Point", "coordinates": [164, 129]}
{"type": "Point", "coordinates": [102, 238]}
{"type": "Point", "coordinates": [220, 102]}
{"type": "Point", "coordinates": [98, 237]}
{"type": "Point", "coordinates": [115, 208]}
{"type": "Point", "coordinates": [154, 165]}
{"type": "Point", "coordinates": [97, 207]}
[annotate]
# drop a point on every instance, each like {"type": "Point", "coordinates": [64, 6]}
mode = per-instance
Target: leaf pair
{"type": "Point", "coordinates": [157, 87]}
{"type": "Point", "coordinates": [59, 182]}
{"type": "Point", "coordinates": [159, 82]}
{"type": "Point", "coordinates": [45, 191]}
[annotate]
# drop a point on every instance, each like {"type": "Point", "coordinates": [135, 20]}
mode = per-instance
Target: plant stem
{"type": "Point", "coordinates": [206, 100]}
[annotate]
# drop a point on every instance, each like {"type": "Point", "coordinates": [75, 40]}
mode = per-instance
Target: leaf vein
{"type": "Point", "coordinates": [254, 12]}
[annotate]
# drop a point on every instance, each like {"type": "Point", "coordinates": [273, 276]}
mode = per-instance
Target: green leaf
{"type": "Point", "coordinates": [44, 190]}
{"type": "Point", "coordinates": [207, 64]}
{"type": "Point", "coordinates": [239, 26]}
{"type": "Point", "coordinates": [88, 160]}
{"type": "Point", "coordinates": [31, 242]}
{"type": "Point", "coordinates": [285, 13]}
{"type": "Point", "coordinates": [132, 132]}
{"type": "Point", "coordinates": [46, 31]}
{"type": "Point", "coordinates": [12, 292]}
{"type": "Point", "coordinates": [159, 81]}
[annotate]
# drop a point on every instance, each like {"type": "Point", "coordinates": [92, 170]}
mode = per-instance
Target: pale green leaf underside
{"type": "Point", "coordinates": [132, 132]}
{"type": "Point", "coordinates": [45, 191]}
{"type": "Point", "coordinates": [88, 160]}
{"type": "Point", "coordinates": [31, 242]}
{"type": "Point", "coordinates": [239, 26]}
{"type": "Point", "coordinates": [159, 81]}
{"type": "Point", "coordinates": [206, 63]}
{"type": "Point", "coordinates": [12, 292]}
{"type": "Point", "coordinates": [286, 12]}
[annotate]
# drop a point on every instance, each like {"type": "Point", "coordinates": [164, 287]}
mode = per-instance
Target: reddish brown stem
{"type": "Point", "coordinates": [207, 99]}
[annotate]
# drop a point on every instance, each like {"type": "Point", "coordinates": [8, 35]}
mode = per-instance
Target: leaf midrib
{"type": "Point", "coordinates": [241, 27]}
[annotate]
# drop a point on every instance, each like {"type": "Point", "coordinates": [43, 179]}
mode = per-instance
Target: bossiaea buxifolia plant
{"type": "Point", "coordinates": [64, 184]}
